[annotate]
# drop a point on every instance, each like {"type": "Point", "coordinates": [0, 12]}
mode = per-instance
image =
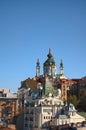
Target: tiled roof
{"type": "Point", "coordinates": [5, 128]}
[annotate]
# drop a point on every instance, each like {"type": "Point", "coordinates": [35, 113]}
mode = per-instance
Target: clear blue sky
{"type": "Point", "coordinates": [28, 28]}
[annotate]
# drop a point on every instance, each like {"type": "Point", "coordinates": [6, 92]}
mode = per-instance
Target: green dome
{"type": "Point", "coordinates": [50, 60]}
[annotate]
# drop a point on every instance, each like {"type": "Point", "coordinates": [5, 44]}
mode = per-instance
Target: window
{"type": "Point", "coordinates": [26, 125]}
{"type": "Point", "coordinates": [47, 117]}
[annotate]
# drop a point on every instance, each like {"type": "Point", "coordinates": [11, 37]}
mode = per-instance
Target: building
{"type": "Point", "coordinates": [8, 104]}
{"type": "Point", "coordinates": [43, 111]}
{"type": "Point", "coordinates": [78, 88]}
{"type": "Point", "coordinates": [50, 78]}
{"type": "Point", "coordinates": [82, 89]}
{"type": "Point", "coordinates": [40, 110]}
{"type": "Point", "coordinates": [44, 97]}
{"type": "Point", "coordinates": [23, 90]}
{"type": "Point", "coordinates": [68, 115]}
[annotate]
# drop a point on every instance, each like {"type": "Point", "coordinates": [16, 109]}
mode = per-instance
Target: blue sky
{"type": "Point", "coordinates": [29, 28]}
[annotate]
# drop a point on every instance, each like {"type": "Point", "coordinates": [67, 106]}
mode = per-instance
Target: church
{"type": "Point", "coordinates": [50, 81]}
{"type": "Point", "coordinates": [49, 67]}
{"type": "Point", "coordinates": [44, 98]}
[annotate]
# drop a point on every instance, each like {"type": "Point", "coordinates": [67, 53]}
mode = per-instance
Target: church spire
{"type": "Point", "coordinates": [49, 50]}
{"type": "Point", "coordinates": [49, 54]}
{"type": "Point", "coordinates": [61, 64]}
{"type": "Point", "coordinates": [62, 75]}
{"type": "Point", "coordinates": [37, 68]}
{"type": "Point", "coordinates": [61, 68]}
{"type": "Point", "coordinates": [38, 63]}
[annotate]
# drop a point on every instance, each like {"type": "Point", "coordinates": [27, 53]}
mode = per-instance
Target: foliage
{"type": "Point", "coordinates": [50, 90]}
{"type": "Point", "coordinates": [82, 105]}
{"type": "Point", "coordinates": [73, 99]}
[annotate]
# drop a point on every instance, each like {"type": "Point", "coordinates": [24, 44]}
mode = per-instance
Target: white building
{"type": "Point", "coordinates": [42, 111]}
{"type": "Point", "coordinates": [39, 111]}
{"type": "Point", "coordinates": [68, 115]}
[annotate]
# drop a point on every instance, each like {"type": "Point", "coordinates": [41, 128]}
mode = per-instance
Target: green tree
{"type": "Point", "coordinates": [73, 99]}
{"type": "Point", "coordinates": [82, 104]}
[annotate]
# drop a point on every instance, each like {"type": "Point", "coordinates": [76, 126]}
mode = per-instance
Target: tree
{"type": "Point", "coordinates": [73, 99]}
{"type": "Point", "coordinates": [82, 104]}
